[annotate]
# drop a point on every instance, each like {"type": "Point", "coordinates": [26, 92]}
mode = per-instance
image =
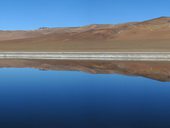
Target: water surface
{"type": "Point", "coordinates": [30, 98]}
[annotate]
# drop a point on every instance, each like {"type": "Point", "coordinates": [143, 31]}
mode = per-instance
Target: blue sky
{"type": "Point", "coordinates": [32, 14]}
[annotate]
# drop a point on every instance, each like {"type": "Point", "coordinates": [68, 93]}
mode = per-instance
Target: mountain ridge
{"type": "Point", "coordinates": [154, 30]}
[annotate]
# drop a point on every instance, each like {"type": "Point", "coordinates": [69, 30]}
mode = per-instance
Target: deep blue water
{"type": "Point", "coordinates": [31, 98]}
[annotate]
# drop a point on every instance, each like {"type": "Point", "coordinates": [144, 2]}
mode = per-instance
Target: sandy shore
{"type": "Point", "coordinates": [123, 56]}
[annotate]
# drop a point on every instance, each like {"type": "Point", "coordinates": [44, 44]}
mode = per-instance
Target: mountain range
{"type": "Point", "coordinates": [150, 35]}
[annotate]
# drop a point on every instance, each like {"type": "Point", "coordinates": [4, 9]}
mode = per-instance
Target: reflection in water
{"type": "Point", "coordinates": [36, 99]}
{"type": "Point", "coordinates": [154, 70]}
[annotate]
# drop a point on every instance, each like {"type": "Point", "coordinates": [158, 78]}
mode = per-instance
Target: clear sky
{"type": "Point", "coordinates": [32, 14]}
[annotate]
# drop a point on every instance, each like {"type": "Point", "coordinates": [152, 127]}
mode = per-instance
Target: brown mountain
{"type": "Point", "coordinates": [151, 35]}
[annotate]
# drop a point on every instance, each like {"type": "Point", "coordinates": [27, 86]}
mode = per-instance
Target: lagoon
{"type": "Point", "coordinates": [32, 98]}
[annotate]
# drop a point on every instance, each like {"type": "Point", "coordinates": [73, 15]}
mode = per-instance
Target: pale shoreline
{"type": "Point", "coordinates": [117, 56]}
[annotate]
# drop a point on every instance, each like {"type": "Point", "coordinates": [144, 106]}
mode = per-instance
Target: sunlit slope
{"type": "Point", "coordinates": [151, 35]}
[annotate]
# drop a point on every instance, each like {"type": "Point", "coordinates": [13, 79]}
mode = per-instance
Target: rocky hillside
{"type": "Point", "coordinates": [158, 28]}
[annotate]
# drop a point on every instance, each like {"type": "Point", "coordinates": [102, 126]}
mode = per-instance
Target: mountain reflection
{"type": "Point", "coordinates": [154, 70]}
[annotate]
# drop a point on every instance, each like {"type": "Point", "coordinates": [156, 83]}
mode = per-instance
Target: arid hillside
{"type": "Point", "coordinates": [150, 35]}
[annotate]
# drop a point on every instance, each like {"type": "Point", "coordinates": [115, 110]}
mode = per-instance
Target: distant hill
{"type": "Point", "coordinates": [155, 33]}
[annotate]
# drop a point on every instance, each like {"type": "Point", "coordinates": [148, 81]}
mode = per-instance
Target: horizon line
{"type": "Point", "coordinates": [46, 27]}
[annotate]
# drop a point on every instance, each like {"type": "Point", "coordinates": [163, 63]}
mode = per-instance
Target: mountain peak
{"type": "Point", "coordinates": [163, 17]}
{"type": "Point", "coordinates": [159, 20]}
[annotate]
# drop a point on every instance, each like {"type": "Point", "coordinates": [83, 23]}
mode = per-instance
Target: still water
{"type": "Point", "coordinates": [31, 98]}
